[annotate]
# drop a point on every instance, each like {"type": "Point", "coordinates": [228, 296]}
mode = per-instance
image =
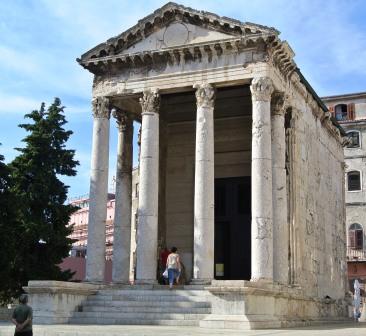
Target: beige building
{"type": "Point", "coordinates": [241, 168]}
{"type": "Point", "coordinates": [350, 111]}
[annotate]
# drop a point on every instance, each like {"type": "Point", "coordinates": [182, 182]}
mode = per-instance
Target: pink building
{"type": "Point", "coordinates": [79, 221]}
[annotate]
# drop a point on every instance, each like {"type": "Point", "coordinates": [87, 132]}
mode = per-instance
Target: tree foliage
{"type": "Point", "coordinates": [41, 218]}
{"type": "Point", "coordinates": [7, 233]}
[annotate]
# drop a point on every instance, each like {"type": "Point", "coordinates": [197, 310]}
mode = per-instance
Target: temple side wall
{"type": "Point", "coordinates": [232, 159]}
{"type": "Point", "coordinates": [319, 216]}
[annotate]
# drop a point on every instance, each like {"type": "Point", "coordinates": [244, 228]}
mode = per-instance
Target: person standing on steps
{"type": "Point", "coordinates": [22, 317]}
{"type": "Point", "coordinates": [174, 267]}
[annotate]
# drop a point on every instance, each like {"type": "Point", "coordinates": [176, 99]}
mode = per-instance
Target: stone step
{"type": "Point", "coordinates": [164, 292]}
{"type": "Point", "coordinates": [139, 315]}
{"type": "Point", "coordinates": [144, 306]}
{"type": "Point", "coordinates": [131, 321]}
{"type": "Point", "coordinates": [183, 304]}
{"type": "Point", "coordinates": [132, 297]}
{"type": "Point", "coordinates": [145, 309]}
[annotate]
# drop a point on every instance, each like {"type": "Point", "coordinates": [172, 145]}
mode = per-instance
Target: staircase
{"type": "Point", "coordinates": [149, 306]}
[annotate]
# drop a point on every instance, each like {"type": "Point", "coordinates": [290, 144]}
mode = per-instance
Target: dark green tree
{"type": "Point", "coordinates": [8, 245]}
{"type": "Point", "coordinates": [42, 214]}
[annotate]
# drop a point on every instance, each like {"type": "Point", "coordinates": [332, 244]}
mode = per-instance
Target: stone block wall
{"type": "Point", "coordinates": [318, 225]}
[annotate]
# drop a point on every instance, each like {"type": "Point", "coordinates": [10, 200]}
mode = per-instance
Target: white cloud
{"type": "Point", "coordinates": [17, 104]}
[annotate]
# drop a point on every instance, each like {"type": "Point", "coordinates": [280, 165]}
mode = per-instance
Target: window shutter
{"type": "Point", "coordinates": [351, 111]}
{"type": "Point", "coordinates": [331, 110]}
{"type": "Point", "coordinates": [352, 238]}
{"type": "Point", "coordinates": [359, 239]}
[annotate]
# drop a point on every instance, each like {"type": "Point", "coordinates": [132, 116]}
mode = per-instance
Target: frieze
{"type": "Point", "coordinates": [159, 59]}
{"type": "Point", "coordinates": [101, 107]}
{"type": "Point", "coordinates": [205, 95]}
{"type": "Point", "coordinates": [150, 101]}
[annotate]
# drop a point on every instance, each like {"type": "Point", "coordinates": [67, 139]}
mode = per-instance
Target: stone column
{"type": "Point", "coordinates": [279, 183]}
{"type": "Point", "coordinates": [204, 197]}
{"type": "Point", "coordinates": [147, 229]}
{"type": "Point", "coordinates": [122, 217]}
{"type": "Point", "coordinates": [262, 226]}
{"type": "Point", "coordinates": [95, 262]}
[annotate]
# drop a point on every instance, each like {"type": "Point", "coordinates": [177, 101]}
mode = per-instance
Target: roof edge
{"type": "Point", "coordinates": [345, 96]}
{"type": "Point", "coordinates": [143, 27]}
{"type": "Point", "coordinates": [319, 100]}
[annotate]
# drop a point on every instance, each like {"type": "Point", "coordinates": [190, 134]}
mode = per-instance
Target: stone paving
{"type": "Point", "coordinates": [355, 329]}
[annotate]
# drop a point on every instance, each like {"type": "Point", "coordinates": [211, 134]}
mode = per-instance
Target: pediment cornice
{"type": "Point", "coordinates": [166, 15]}
{"type": "Point", "coordinates": [184, 54]}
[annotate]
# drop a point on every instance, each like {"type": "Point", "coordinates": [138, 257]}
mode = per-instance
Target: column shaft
{"type": "Point", "coordinates": [280, 224]}
{"type": "Point", "coordinates": [262, 226]}
{"type": "Point", "coordinates": [204, 214]}
{"type": "Point", "coordinates": [122, 217]}
{"type": "Point", "coordinates": [147, 229]}
{"type": "Point", "coordinates": [95, 262]}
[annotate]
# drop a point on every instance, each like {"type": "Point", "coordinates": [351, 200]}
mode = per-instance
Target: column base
{"type": "Point", "coordinates": [94, 282]}
{"type": "Point", "coordinates": [145, 282]}
{"type": "Point", "coordinates": [120, 283]}
{"type": "Point", "coordinates": [263, 281]}
{"type": "Point", "coordinates": [201, 282]}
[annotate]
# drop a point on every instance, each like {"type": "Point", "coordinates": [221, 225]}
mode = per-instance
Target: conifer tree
{"type": "Point", "coordinates": [42, 215]}
{"type": "Point", "coordinates": [8, 248]}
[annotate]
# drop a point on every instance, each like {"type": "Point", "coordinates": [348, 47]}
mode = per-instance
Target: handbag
{"type": "Point", "coordinates": [165, 273]}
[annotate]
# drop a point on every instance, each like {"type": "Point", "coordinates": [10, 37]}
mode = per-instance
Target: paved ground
{"type": "Point", "coordinates": [356, 329]}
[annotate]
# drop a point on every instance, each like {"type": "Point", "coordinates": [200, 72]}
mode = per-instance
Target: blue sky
{"type": "Point", "coordinates": [40, 40]}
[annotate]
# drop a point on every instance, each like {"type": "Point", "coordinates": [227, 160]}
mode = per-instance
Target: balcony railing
{"type": "Point", "coordinates": [355, 254]}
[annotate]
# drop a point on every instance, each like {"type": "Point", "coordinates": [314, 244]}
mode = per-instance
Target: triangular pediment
{"type": "Point", "coordinates": [174, 25]}
{"type": "Point", "coordinates": [174, 35]}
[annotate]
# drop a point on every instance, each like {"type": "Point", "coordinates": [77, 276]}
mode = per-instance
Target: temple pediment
{"type": "Point", "coordinates": [174, 25]}
{"type": "Point", "coordinates": [175, 35]}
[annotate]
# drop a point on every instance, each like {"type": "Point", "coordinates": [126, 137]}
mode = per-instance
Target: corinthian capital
{"type": "Point", "coordinates": [122, 119]}
{"type": "Point", "coordinates": [101, 107]}
{"type": "Point", "coordinates": [205, 95]}
{"type": "Point", "coordinates": [150, 101]}
{"type": "Point", "coordinates": [261, 88]}
{"type": "Point", "coordinates": [279, 103]}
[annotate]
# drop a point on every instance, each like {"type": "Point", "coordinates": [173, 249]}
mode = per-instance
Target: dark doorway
{"type": "Point", "coordinates": [233, 228]}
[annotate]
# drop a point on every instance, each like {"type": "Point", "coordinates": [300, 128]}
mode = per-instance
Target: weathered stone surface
{"type": "Point", "coordinates": [147, 229]}
{"type": "Point", "coordinates": [262, 220]}
{"type": "Point", "coordinates": [123, 207]}
{"type": "Point", "coordinates": [98, 191]}
{"type": "Point", "coordinates": [204, 215]}
{"type": "Point", "coordinates": [54, 302]}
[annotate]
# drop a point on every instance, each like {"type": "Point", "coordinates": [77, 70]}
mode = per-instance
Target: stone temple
{"type": "Point", "coordinates": [241, 167]}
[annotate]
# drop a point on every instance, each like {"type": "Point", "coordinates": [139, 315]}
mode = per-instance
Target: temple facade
{"type": "Point", "coordinates": [241, 167]}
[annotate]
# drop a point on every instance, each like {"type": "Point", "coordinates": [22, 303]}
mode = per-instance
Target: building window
{"type": "Point", "coordinates": [354, 137]}
{"type": "Point", "coordinates": [355, 236]}
{"type": "Point", "coordinates": [136, 190]}
{"type": "Point", "coordinates": [341, 112]}
{"type": "Point", "coordinates": [354, 181]}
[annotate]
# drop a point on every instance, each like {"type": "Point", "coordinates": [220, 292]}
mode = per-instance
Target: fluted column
{"type": "Point", "coordinates": [280, 225]}
{"type": "Point", "coordinates": [122, 217]}
{"type": "Point", "coordinates": [95, 262]}
{"type": "Point", "coordinates": [262, 225]}
{"type": "Point", "coordinates": [204, 197]}
{"type": "Point", "coordinates": [147, 229]}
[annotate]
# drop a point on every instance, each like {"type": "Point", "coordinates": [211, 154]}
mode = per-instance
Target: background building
{"type": "Point", "coordinates": [350, 111]}
{"type": "Point", "coordinates": [79, 220]}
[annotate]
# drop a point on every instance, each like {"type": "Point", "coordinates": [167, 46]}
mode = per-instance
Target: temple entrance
{"type": "Point", "coordinates": [233, 228]}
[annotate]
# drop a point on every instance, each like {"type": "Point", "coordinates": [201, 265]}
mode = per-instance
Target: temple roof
{"type": "Point", "coordinates": [167, 15]}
